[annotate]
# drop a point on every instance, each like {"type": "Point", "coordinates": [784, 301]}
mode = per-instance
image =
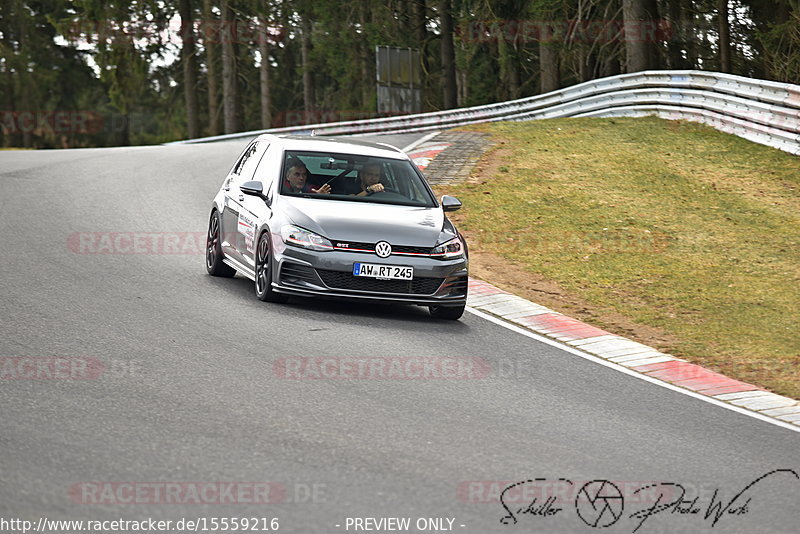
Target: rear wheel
{"type": "Point", "coordinates": [447, 312]}
{"type": "Point", "coordinates": [214, 263]}
{"type": "Point", "coordinates": [264, 263]}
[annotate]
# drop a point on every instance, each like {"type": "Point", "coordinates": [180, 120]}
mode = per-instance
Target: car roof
{"type": "Point", "coordinates": [342, 145]}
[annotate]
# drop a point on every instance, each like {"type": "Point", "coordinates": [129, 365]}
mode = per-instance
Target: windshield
{"type": "Point", "coordinates": [354, 178]}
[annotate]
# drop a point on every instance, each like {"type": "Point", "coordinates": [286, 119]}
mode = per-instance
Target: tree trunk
{"type": "Point", "coordinates": [677, 41]}
{"type": "Point", "coordinates": [609, 66]}
{"type": "Point", "coordinates": [305, 51]}
{"type": "Point", "coordinates": [509, 75]}
{"type": "Point", "coordinates": [210, 38]}
{"type": "Point", "coordinates": [421, 38]}
{"type": "Point", "coordinates": [189, 67]}
{"type": "Point", "coordinates": [229, 92]}
{"type": "Point", "coordinates": [724, 36]}
{"type": "Point", "coordinates": [687, 35]}
{"type": "Point", "coordinates": [25, 96]}
{"type": "Point", "coordinates": [636, 20]}
{"type": "Point", "coordinates": [8, 91]}
{"type": "Point", "coordinates": [448, 56]}
{"type": "Point", "coordinates": [368, 101]}
{"type": "Point", "coordinates": [263, 49]}
{"type": "Point", "coordinates": [463, 88]}
{"type": "Point", "coordinates": [548, 66]}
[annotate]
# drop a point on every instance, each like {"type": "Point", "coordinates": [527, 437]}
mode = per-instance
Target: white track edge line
{"type": "Point", "coordinates": [631, 372]}
{"type": "Point", "coordinates": [421, 140]}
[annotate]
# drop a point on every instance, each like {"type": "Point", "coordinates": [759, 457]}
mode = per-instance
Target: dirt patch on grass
{"type": "Point", "coordinates": [509, 276]}
{"type": "Point", "coordinates": [513, 278]}
{"type": "Point", "coordinates": [490, 164]}
{"type": "Point", "coordinates": [671, 234]}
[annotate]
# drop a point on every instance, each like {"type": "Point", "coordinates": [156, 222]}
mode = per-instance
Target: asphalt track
{"type": "Point", "coordinates": [190, 395]}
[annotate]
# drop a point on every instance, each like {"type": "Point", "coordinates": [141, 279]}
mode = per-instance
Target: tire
{"type": "Point", "coordinates": [447, 312]}
{"type": "Point", "coordinates": [214, 264]}
{"type": "Point", "coordinates": [264, 264]}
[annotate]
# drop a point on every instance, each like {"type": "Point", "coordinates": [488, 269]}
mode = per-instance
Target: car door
{"type": "Point", "coordinates": [238, 225]}
{"type": "Point", "coordinates": [255, 208]}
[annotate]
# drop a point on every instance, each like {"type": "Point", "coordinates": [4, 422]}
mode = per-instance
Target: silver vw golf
{"type": "Point", "coordinates": [327, 217]}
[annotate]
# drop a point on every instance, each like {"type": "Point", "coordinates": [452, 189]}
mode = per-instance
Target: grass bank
{"type": "Point", "coordinates": [668, 232]}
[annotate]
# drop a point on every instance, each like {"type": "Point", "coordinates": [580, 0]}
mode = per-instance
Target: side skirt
{"type": "Point", "coordinates": [241, 269]}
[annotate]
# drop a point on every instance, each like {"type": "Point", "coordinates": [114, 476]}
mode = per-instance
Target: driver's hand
{"type": "Point", "coordinates": [375, 188]}
{"type": "Point", "coordinates": [324, 190]}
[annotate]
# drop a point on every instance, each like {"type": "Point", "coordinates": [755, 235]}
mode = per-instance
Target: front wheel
{"type": "Point", "coordinates": [264, 263]}
{"type": "Point", "coordinates": [214, 264]}
{"type": "Point", "coordinates": [447, 312]}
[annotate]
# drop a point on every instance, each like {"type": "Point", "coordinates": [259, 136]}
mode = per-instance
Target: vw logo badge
{"type": "Point", "coordinates": [383, 249]}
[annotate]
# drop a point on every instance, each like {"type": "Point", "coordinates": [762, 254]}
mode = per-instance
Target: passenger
{"type": "Point", "coordinates": [296, 177]}
{"type": "Point", "coordinates": [370, 179]}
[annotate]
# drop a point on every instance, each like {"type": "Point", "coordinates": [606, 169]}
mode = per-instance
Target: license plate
{"type": "Point", "coordinates": [392, 272]}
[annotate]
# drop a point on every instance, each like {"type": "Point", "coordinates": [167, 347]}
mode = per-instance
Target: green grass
{"type": "Point", "coordinates": [672, 224]}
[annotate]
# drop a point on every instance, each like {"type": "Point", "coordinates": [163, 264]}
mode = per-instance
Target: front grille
{"type": "Point", "coordinates": [346, 281]}
{"type": "Point", "coordinates": [354, 245]}
{"type": "Point", "coordinates": [411, 250]}
{"type": "Point", "coordinates": [401, 249]}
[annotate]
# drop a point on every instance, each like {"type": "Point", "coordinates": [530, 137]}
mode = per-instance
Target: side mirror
{"type": "Point", "coordinates": [450, 203]}
{"type": "Point", "coordinates": [253, 187]}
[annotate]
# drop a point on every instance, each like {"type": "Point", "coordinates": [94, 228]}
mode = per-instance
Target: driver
{"type": "Point", "coordinates": [295, 180]}
{"type": "Point", "coordinates": [370, 179]}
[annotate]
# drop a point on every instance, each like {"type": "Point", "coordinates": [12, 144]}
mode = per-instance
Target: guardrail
{"type": "Point", "coordinates": [762, 111]}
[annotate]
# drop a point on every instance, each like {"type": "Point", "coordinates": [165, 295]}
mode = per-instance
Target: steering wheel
{"type": "Point", "coordinates": [385, 190]}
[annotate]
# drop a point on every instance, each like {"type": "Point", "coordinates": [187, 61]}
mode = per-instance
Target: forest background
{"type": "Point", "coordinates": [96, 73]}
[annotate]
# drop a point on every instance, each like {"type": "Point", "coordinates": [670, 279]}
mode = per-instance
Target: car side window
{"type": "Point", "coordinates": [246, 166]}
{"type": "Point", "coordinates": [249, 151]}
{"type": "Point", "coordinates": [268, 169]}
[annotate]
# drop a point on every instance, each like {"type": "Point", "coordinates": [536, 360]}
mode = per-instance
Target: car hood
{"type": "Point", "coordinates": [367, 222]}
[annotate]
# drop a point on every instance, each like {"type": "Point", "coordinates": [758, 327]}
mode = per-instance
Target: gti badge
{"type": "Point", "coordinates": [383, 249]}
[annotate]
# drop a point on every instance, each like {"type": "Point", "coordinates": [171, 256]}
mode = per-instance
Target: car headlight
{"type": "Point", "coordinates": [298, 237]}
{"type": "Point", "coordinates": [449, 249]}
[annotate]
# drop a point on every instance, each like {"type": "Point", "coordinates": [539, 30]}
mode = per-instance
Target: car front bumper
{"type": "Point", "coordinates": [330, 274]}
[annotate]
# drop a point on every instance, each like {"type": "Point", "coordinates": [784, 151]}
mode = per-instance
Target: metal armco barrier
{"type": "Point", "coordinates": [762, 111]}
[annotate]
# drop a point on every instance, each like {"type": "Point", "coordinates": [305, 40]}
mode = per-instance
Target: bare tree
{"type": "Point", "coordinates": [420, 21]}
{"type": "Point", "coordinates": [548, 66]}
{"type": "Point", "coordinates": [305, 52]}
{"type": "Point", "coordinates": [229, 89]}
{"type": "Point", "coordinates": [210, 36]}
{"type": "Point", "coordinates": [188, 59]}
{"type": "Point", "coordinates": [636, 18]}
{"type": "Point", "coordinates": [263, 49]}
{"type": "Point", "coordinates": [724, 36]}
{"type": "Point", "coordinates": [448, 55]}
